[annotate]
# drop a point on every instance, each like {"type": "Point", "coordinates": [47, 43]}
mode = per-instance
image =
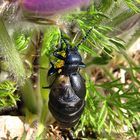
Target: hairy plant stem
{"type": "Point", "coordinates": [11, 55]}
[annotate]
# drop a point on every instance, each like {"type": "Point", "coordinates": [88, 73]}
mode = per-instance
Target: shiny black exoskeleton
{"type": "Point", "coordinates": [67, 95]}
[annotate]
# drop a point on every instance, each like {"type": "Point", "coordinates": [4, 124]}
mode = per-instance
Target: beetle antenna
{"type": "Point", "coordinates": [85, 37]}
{"type": "Point", "coordinates": [62, 37]}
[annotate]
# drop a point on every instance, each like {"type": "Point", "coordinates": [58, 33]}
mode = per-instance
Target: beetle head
{"type": "Point", "coordinates": [72, 56]}
{"type": "Point", "coordinates": [73, 60]}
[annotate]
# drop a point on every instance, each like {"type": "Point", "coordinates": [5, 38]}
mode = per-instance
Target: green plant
{"type": "Point", "coordinates": [7, 96]}
{"type": "Point", "coordinates": [112, 109]}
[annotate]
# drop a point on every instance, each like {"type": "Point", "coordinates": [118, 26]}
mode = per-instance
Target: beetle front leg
{"type": "Point", "coordinates": [58, 55]}
{"type": "Point", "coordinates": [52, 70]}
{"type": "Point", "coordinates": [82, 65]}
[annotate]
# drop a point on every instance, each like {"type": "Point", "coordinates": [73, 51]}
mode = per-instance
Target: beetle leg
{"type": "Point", "coordinates": [58, 55]}
{"type": "Point", "coordinates": [82, 65]}
{"type": "Point", "coordinates": [52, 70]}
{"type": "Point", "coordinates": [47, 87]}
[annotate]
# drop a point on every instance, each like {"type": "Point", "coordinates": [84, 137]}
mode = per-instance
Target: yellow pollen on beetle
{"type": "Point", "coordinates": [60, 63]}
{"type": "Point", "coordinates": [60, 70]}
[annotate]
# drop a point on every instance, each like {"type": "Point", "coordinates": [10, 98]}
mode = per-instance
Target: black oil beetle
{"type": "Point", "coordinates": [67, 93]}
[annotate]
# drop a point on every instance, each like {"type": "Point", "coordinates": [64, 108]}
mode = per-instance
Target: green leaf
{"type": "Point", "coordinates": [88, 50]}
{"type": "Point", "coordinates": [7, 97]}
{"type": "Point", "coordinates": [102, 116]}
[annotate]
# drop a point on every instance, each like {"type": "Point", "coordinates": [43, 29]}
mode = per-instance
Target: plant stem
{"type": "Point", "coordinates": [11, 56]}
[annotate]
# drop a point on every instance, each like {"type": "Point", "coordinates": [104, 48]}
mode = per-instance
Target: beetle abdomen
{"type": "Point", "coordinates": [64, 103]}
{"type": "Point", "coordinates": [66, 119]}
